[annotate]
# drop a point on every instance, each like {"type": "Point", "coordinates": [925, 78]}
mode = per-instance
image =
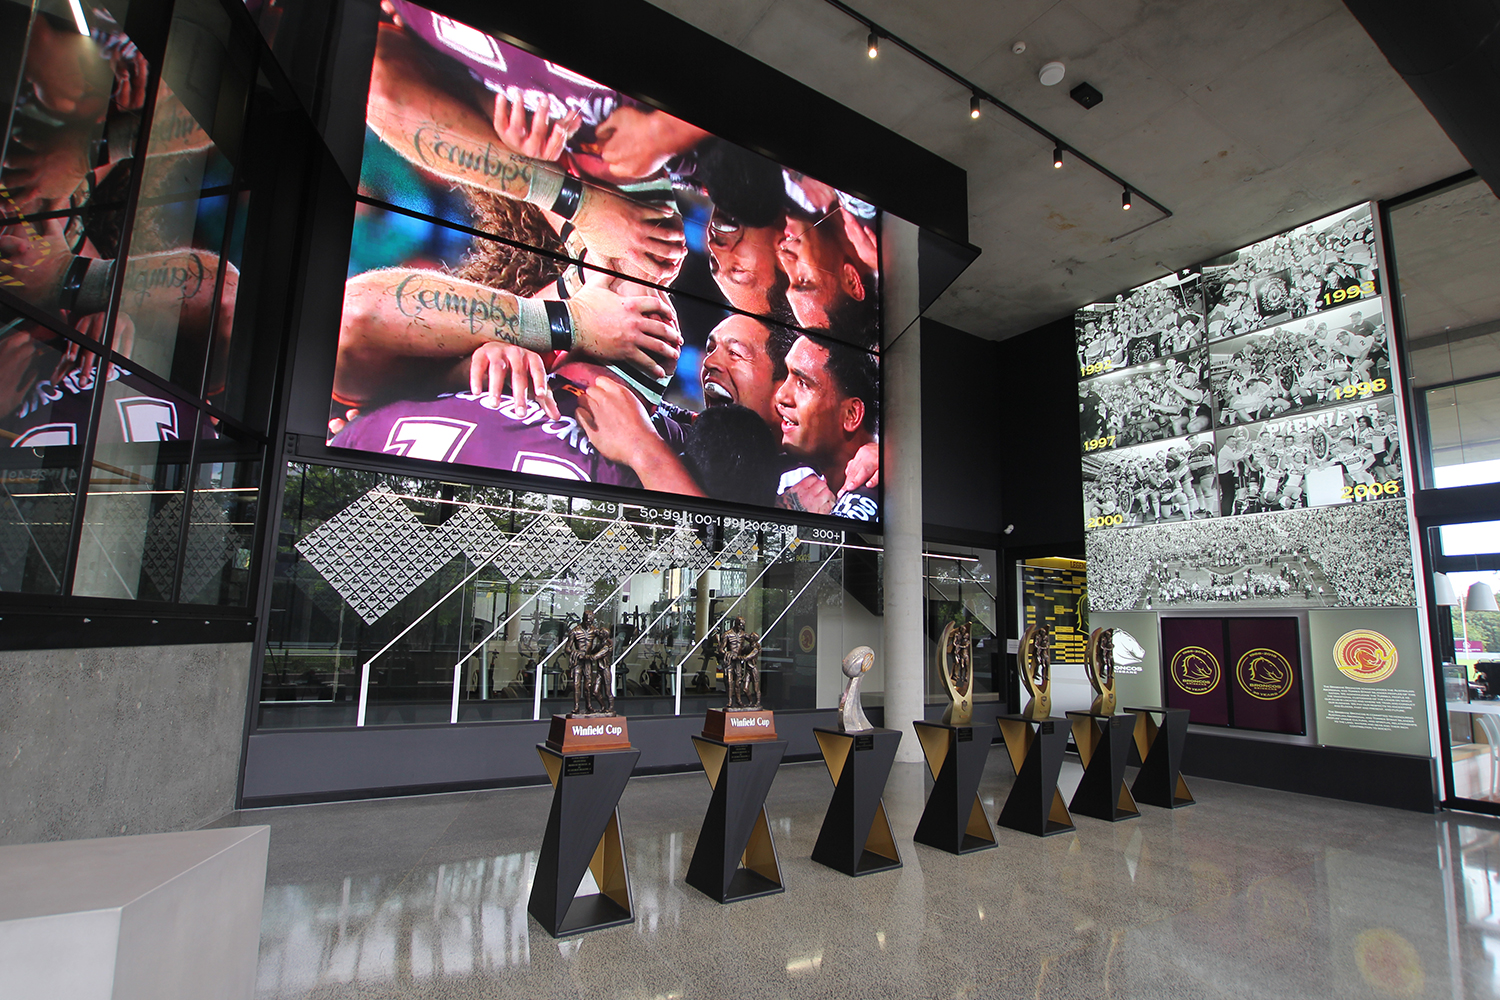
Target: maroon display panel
{"type": "Point", "coordinates": [1264, 668]}
{"type": "Point", "coordinates": [1192, 656]}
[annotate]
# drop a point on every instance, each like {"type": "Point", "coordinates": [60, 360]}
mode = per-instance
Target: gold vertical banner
{"type": "Point", "coordinates": [1054, 593]}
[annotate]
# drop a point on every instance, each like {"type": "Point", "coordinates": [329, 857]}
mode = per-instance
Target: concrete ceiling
{"type": "Point", "coordinates": [1244, 117]}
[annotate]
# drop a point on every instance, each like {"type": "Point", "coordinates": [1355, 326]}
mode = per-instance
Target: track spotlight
{"type": "Point", "coordinates": [1125, 200]}
{"type": "Point", "coordinates": [1057, 157]}
{"type": "Point", "coordinates": [874, 45]}
{"type": "Point", "coordinates": [974, 106]}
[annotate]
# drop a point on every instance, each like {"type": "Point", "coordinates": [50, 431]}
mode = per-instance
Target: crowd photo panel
{"type": "Point", "coordinates": [551, 278]}
{"type": "Point", "coordinates": [1259, 383]}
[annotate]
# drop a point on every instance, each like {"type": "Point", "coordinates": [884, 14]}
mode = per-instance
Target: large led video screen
{"type": "Point", "coordinates": [551, 278]}
{"type": "Point", "coordinates": [1223, 409]}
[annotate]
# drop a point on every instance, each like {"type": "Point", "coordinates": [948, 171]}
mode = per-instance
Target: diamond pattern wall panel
{"type": "Point", "coordinates": [375, 552]}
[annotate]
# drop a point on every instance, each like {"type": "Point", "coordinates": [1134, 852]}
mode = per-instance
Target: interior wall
{"type": "Point", "coordinates": [961, 392]}
{"type": "Point", "coordinates": [119, 740]}
{"type": "Point", "coordinates": [1041, 483]}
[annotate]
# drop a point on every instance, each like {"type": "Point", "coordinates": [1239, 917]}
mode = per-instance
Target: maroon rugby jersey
{"type": "Point", "coordinates": [461, 429]}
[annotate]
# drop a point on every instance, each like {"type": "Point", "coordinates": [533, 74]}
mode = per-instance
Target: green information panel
{"type": "Point", "coordinates": [1367, 680]}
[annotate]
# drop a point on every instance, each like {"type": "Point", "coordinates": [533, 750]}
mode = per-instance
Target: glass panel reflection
{"type": "Point", "coordinates": [1448, 247]}
{"type": "Point", "coordinates": [133, 512]}
{"type": "Point", "coordinates": [172, 290]}
{"type": "Point", "coordinates": [221, 528]}
{"type": "Point", "coordinates": [46, 387]}
{"type": "Point", "coordinates": [67, 154]}
{"type": "Point", "coordinates": [458, 598]}
{"type": "Point", "coordinates": [1464, 432]}
{"type": "Point", "coordinates": [961, 587]}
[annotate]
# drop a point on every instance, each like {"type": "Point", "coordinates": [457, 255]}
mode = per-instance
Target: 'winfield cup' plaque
{"type": "Point", "coordinates": [729, 725]}
{"type": "Point", "coordinates": [585, 734]}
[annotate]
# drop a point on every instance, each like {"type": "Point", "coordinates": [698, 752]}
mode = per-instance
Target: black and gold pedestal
{"type": "Point", "coordinates": [736, 856]}
{"type": "Point", "coordinates": [1036, 748]}
{"type": "Point", "coordinates": [1161, 744]}
{"type": "Point", "coordinates": [1104, 748]}
{"type": "Point", "coordinates": [954, 819]}
{"type": "Point", "coordinates": [583, 834]}
{"type": "Point", "coordinates": [856, 837]}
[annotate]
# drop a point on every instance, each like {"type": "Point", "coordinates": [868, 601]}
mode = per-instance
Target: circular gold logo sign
{"type": "Point", "coordinates": [807, 638]}
{"type": "Point", "coordinates": [1264, 674]}
{"type": "Point", "coordinates": [1195, 670]}
{"type": "Point", "coordinates": [1365, 655]}
{"type": "Point", "coordinates": [1388, 962]}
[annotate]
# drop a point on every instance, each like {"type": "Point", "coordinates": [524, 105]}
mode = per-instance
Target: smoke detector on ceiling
{"type": "Point", "coordinates": [1018, 48]}
{"type": "Point", "coordinates": [1052, 73]}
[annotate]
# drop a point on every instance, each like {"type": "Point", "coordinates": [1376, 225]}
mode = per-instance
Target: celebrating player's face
{"type": "Point", "coordinates": [821, 270]}
{"type": "Point", "coordinates": [738, 367]}
{"type": "Point", "coordinates": [815, 418]}
{"type": "Point", "coordinates": [743, 261]}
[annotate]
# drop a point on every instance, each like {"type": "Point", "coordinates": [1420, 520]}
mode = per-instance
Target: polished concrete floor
{"type": "Point", "coordinates": [1250, 893]}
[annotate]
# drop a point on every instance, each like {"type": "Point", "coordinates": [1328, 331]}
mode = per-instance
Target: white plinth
{"type": "Point", "coordinates": [167, 916]}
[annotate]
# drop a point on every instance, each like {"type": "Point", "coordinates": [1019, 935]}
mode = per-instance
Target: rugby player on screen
{"type": "Point", "coordinates": [537, 429]}
{"type": "Point", "coordinates": [829, 409]}
{"type": "Point", "coordinates": [747, 369]}
{"type": "Point", "coordinates": [416, 111]}
{"type": "Point", "coordinates": [413, 332]}
{"type": "Point", "coordinates": [832, 286]}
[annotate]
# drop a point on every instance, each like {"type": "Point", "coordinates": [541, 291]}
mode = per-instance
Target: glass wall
{"type": "Point", "coordinates": [962, 586]}
{"type": "Point", "coordinates": [133, 467]}
{"type": "Point", "coordinates": [1466, 634]}
{"type": "Point", "coordinates": [401, 601]}
{"type": "Point", "coordinates": [1447, 249]}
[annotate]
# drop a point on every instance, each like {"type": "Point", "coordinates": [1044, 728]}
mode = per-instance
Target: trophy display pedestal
{"type": "Point", "coordinates": [583, 835]}
{"type": "Point", "coordinates": [954, 819]}
{"type": "Point", "coordinates": [856, 836]}
{"type": "Point", "coordinates": [738, 725]}
{"type": "Point", "coordinates": [1036, 748]}
{"type": "Point", "coordinates": [588, 733]}
{"type": "Point", "coordinates": [1104, 747]}
{"type": "Point", "coordinates": [736, 855]}
{"type": "Point", "coordinates": [1160, 744]}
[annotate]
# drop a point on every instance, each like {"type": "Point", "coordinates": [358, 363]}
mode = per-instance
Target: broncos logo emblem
{"type": "Point", "coordinates": [1266, 671]}
{"type": "Point", "coordinates": [1264, 674]}
{"type": "Point", "coordinates": [1197, 668]}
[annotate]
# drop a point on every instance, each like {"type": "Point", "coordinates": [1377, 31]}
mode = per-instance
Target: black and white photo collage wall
{"type": "Point", "coordinates": [1257, 383]}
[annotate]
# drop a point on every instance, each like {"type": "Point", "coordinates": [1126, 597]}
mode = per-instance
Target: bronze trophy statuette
{"type": "Point", "coordinates": [1036, 670]}
{"type": "Point", "coordinates": [743, 718]}
{"type": "Point", "coordinates": [857, 663]}
{"type": "Point", "coordinates": [1100, 666]}
{"type": "Point", "coordinates": [593, 724]}
{"type": "Point", "coordinates": [956, 664]}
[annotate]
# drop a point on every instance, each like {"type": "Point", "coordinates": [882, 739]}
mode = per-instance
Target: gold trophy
{"type": "Point", "coordinates": [1099, 664]}
{"type": "Point", "coordinates": [1036, 670]}
{"type": "Point", "coordinates": [956, 664]}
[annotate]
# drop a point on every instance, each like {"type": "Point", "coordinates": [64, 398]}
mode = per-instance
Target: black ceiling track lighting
{"type": "Point", "coordinates": [1084, 94]}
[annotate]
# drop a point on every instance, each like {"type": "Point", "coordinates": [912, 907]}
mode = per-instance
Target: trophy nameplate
{"type": "Point", "coordinates": [730, 725]}
{"type": "Point", "coordinates": [584, 734]}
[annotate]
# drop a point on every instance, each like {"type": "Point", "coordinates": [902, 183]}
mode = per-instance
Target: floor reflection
{"type": "Point", "coordinates": [1251, 893]}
